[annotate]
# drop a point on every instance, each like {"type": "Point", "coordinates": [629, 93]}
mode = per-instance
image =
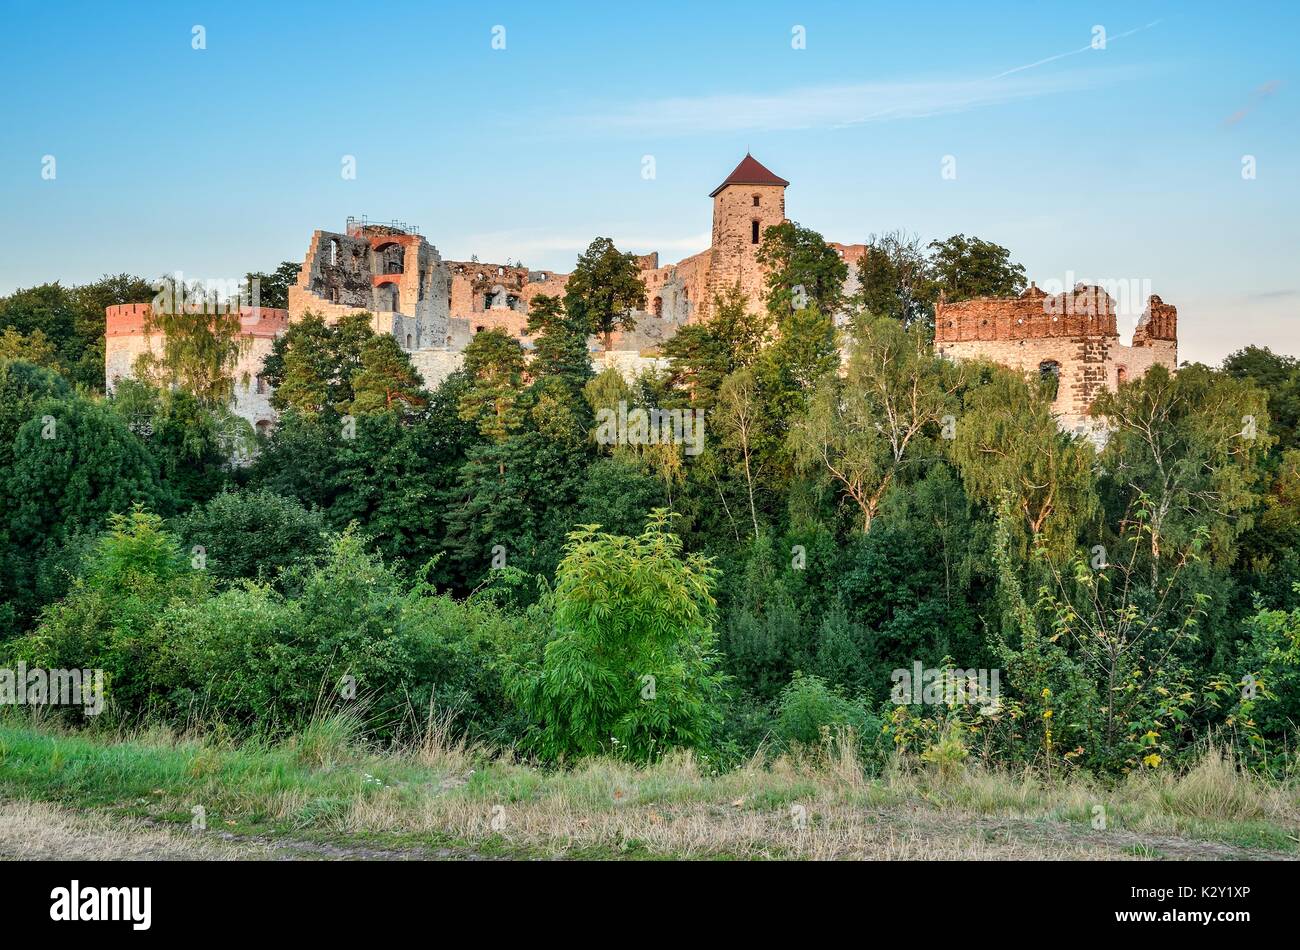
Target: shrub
{"type": "Point", "coordinates": [252, 534]}
{"type": "Point", "coordinates": [631, 669]}
{"type": "Point", "coordinates": [808, 706]}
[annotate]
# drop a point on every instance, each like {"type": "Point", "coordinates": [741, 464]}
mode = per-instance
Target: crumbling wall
{"type": "Point", "coordinates": [127, 338]}
{"type": "Point", "coordinates": [1072, 334]}
{"type": "Point", "coordinates": [399, 278]}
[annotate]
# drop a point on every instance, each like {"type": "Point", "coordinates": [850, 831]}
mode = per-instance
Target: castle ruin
{"type": "Point", "coordinates": [1071, 336]}
{"type": "Point", "coordinates": [435, 307]}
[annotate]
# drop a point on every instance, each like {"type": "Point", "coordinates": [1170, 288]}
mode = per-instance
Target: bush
{"type": "Point", "coordinates": [252, 534]}
{"type": "Point", "coordinates": [631, 670]}
{"type": "Point", "coordinates": [808, 706]}
{"type": "Point", "coordinates": [108, 620]}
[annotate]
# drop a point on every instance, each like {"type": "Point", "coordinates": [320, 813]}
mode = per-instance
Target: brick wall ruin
{"type": "Point", "coordinates": [435, 307]}
{"type": "Point", "coordinates": [1071, 335]}
{"type": "Point", "coordinates": [395, 275]}
{"type": "Point", "coordinates": [127, 337]}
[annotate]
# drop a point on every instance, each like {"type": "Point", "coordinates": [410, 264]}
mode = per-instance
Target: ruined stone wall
{"type": "Point", "coordinates": [1073, 333]}
{"type": "Point", "coordinates": [676, 292]}
{"type": "Point", "coordinates": [126, 338]}
{"type": "Point", "coordinates": [436, 365]}
{"type": "Point", "coordinates": [399, 278]}
{"type": "Point", "coordinates": [496, 296]}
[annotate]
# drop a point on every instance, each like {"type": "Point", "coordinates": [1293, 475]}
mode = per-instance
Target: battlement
{"type": "Point", "coordinates": [1086, 311]}
{"type": "Point", "coordinates": [131, 319]}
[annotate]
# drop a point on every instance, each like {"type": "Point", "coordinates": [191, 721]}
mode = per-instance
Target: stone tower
{"type": "Point", "coordinates": [746, 204]}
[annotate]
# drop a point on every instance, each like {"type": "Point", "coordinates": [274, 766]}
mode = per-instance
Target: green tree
{"type": "Point", "coordinates": [198, 350]}
{"type": "Point", "coordinates": [703, 354]}
{"type": "Point", "coordinates": [34, 348]}
{"type": "Point", "coordinates": [560, 345]}
{"type": "Point", "coordinates": [618, 495]}
{"type": "Point", "coordinates": [861, 430]}
{"type": "Point", "coordinates": [631, 670]}
{"type": "Point", "coordinates": [91, 301]}
{"type": "Point", "coordinates": [963, 268]}
{"type": "Point", "coordinates": [604, 290]}
{"type": "Point", "coordinates": [192, 444]}
{"type": "Point", "coordinates": [386, 381]}
{"type": "Point", "coordinates": [75, 462]}
{"type": "Point", "coordinates": [1278, 376]}
{"type": "Point", "coordinates": [494, 363]}
{"type": "Point", "coordinates": [273, 288]}
{"type": "Point", "coordinates": [801, 270]}
{"type": "Point", "coordinates": [312, 364]}
{"type": "Point", "coordinates": [1185, 453]}
{"type": "Point", "coordinates": [894, 280]}
{"type": "Point", "coordinates": [1006, 442]}
{"type": "Point", "coordinates": [251, 534]}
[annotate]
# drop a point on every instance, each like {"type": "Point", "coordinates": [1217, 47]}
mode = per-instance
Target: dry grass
{"type": "Point", "coordinates": [39, 831]}
{"type": "Point", "coordinates": [442, 797]}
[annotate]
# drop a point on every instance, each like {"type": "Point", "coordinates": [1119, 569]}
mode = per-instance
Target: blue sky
{"type": "Point", "coordinates": [1121, 164]}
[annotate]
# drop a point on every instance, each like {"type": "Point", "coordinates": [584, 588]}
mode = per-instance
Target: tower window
{"type": "Point", "coordinates": [756, 201]}
{"type": "Point", "coordinates": [753, 231]}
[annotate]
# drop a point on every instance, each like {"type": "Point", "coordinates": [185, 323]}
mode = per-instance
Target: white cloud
{"type": "Point", "coordinates": [834, 106]}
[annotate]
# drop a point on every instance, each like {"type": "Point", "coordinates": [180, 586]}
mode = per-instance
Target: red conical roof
{"type": "Point", "coordinates": [750, 171]}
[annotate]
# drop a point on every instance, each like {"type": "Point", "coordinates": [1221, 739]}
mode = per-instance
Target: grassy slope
{"type": "Point", "coordinates": [321, 791]}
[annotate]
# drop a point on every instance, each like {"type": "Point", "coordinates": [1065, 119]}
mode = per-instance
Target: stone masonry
{"type": "Point", "coordinates": [1071, 335]}
{"type": "Point", "coordinates": [435, 307]}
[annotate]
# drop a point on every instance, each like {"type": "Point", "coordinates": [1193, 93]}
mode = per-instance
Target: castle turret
{"type": "Point", "coordinates": [747, 203]}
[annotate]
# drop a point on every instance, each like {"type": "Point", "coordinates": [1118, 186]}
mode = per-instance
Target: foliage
{"type": "Point", "coordinates": [312, 364]}
{"type": "Point", "coordinates": [894, 280]}
{"type": "Point", "coordinates": [801, 270]}
{"type": "Point", "coordinates": [631, 669]}
{"type": "Point", "coordinates": [482, 552]}
{"type": "Point", "coordinates": [1006, 442]}
{"type": "Point", "coordinates": [963, 268]}
{"type": "Point", "coordinates": [385, 381]}
{"type": "Point", "coordinates": [68, 320]}
{"type": "Point", "coordinates": [862, 431]}
{"type": "Point", "coordinates": [198, 348]}
{"type": "Point", "coordinates": [251, 534]}
{"type": "Point", "coordinates": [604, 290]}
